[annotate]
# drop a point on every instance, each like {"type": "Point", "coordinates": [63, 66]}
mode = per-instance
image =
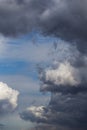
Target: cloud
{"type": "Point", "coordinates": [18, 17]}
{"type": "Point", "coordinates": [28, 88]}
{"type": "Point", "coordinates": [65, 110]}
{"type": "Point", "coordinates": [36, 114]}
{"type": "Point", "coordinates": [64, 74]}
{"type": "Point", "coordinates": [65, 19]}
{"type": "Point", "coordinates": [8, 99]}
{"type": "Point", "coordinates": [66, 79]}
{"type": "Point", "coordinates": [53, 127]}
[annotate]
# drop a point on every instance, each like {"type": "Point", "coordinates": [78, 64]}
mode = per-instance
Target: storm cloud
{"type": "Point", "coordinates": [63, 18]}
{"type": "Point", "coordinates": [68, 105]}
{"type": "Point", "coordinates": [66, 79]}
{"type": "Point", "coordinates": [20, 17]}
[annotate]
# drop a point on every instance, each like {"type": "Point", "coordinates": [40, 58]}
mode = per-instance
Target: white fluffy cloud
{"type": "Point", "coordinates": [37, 111]}
{"type": "Point", "coordinates": [8, 98]}
{"type": "Point", "coordinates": [64, 74]}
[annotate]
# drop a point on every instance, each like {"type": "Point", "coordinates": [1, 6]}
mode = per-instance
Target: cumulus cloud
{"type": "Point", "coordinates": [8, 98]}
{"type": "Point", "coordinates": [66, 79]}
{"type": "Point", "coordinates": [64, 74]}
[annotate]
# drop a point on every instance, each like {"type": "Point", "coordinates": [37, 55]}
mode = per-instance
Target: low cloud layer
{"type": "Point", "coordinates": [8, 99]}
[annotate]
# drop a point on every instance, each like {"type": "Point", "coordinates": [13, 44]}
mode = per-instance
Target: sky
{"type": "Point", "coordinates": [43, 65]}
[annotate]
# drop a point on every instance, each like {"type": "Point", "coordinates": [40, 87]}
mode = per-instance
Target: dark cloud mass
{"type": "Point", "coordinates": [19, 17]}
{"type": "Point", "coordinates": [67, 106]}
{"type": "Point", "coordinates": [66, 80]}
{"type": "Point", "coordinates": [63, 18]}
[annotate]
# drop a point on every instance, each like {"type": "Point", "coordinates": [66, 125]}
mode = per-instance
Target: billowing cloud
{"type": "Point", "coordinates": [66, 79]}
{"type": "Point", "coordinates": [63, 75]}
{"type": "Point", "coordinates": [66, 19]}
{"type": "Point", "coordinates": [18, 17]}
{"type": "Point", "coordinates": [8, 99]}
{"type": "Point", "coordinates": [64, 110]}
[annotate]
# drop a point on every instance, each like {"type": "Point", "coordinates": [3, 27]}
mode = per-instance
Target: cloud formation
{"type": "Point", "coordinates": [66, 79]}
{"type": "Point", "coordinates": [18, 17]}
{"type": "Point", "coordinates": [8, 99]}
{"type": "Point", "coordinates": [66, 19]}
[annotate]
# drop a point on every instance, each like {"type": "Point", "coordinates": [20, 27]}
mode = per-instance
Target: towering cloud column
{"type": "Point", "coordinates": [66, 80]}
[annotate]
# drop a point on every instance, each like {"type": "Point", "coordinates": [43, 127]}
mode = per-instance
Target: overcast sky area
{"type": "Point", "coordinates": [43, 65]}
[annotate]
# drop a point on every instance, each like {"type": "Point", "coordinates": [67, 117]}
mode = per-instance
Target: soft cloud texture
{"type": "Point", "coordinates": [8, 98]}
{"type": "Point", "coordinates": [66, 79]}
{"type": "Point", "coordinates": [66, 19]}
{"type": "Point", "coordinates": [28, 88]}
{"type": "Point", "coordinates": [64, 74]}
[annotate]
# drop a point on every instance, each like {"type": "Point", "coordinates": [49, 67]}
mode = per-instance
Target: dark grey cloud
{"type": "Point", "coordinates": [65, 110]}
{"type": "Point", "coordinates": [65, 19]}
{"type": "Point", "coordinates": [51, 127]}
{"type": "Point", "coordinates": [68, 86]}
{"type": "Point", "coordinates": [19, 17]}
